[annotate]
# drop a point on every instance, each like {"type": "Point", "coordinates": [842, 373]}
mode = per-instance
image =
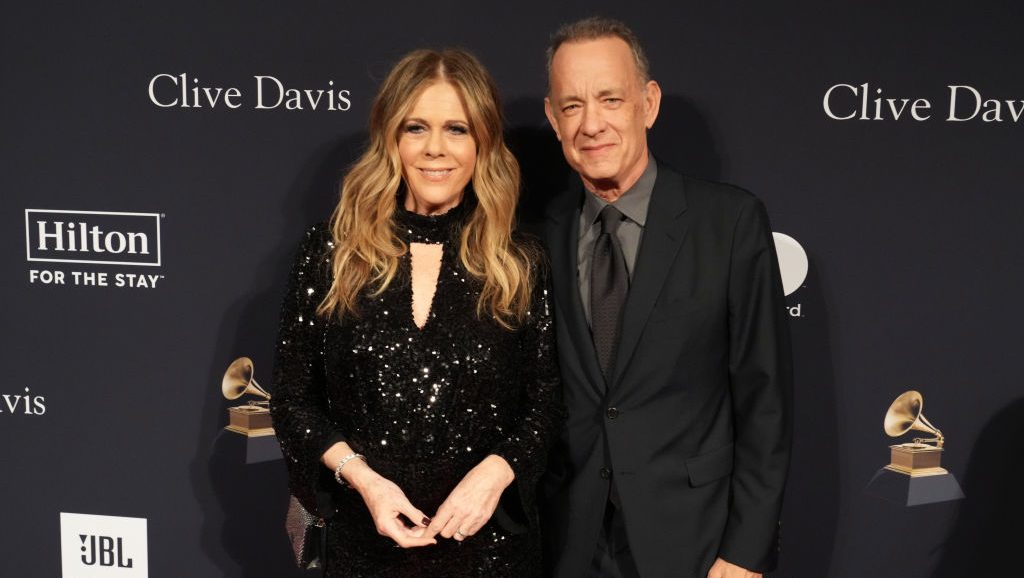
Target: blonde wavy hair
{"type": "Point", "coordinates": [366, 249]}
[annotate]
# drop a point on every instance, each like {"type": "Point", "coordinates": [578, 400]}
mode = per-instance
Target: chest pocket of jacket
{"type": "Point", "coordinates": [710, 466]}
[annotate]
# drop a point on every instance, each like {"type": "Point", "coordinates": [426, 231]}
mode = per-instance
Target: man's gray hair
{"type": "Point", "coordinates": [594, 28]}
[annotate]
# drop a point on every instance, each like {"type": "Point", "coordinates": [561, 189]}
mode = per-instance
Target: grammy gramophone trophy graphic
{"type": "Point", "coordinates": [915, 474]}
{"type": "Point", "coordinates": [253, 418]}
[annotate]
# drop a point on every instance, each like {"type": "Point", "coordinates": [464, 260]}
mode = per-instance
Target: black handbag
{"type": "Point", "coordinates": [308, 535]}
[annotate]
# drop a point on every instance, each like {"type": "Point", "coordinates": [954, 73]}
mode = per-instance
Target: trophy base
{"type": "Point", "coordinates": [248, 449]}
{"type": "Point", "coordinates": [916, 472]}
{"type": "Point", "coordinates": [914, 489]}
{"type": "Point", "coordinates": [250, 433]}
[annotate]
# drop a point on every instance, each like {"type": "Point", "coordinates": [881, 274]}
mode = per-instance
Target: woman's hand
{"type": "Point", "coordinates": [387, 503]}
{"type": "Point", "coordinates": [472, 502]}
{"type": "Point", "coordinates": [385, 500]}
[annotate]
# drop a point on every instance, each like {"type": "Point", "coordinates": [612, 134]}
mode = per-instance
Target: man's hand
{"type": "Point", "coordinates": [723, 569]}
{"type": "Point", "coordinates": [472, 502]}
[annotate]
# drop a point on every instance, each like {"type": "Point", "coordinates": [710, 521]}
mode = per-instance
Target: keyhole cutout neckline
{"type": "Point", "coordinates": [425, 261]}
{"type": "Point", "coordinates": [430, 239]}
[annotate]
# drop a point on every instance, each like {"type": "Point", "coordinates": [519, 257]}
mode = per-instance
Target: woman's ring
{"type": "Point", "coordinates": [460, 534]}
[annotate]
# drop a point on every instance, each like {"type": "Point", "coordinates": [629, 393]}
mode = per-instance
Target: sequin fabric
{"type": "Point", "coordinates": [424, 405]}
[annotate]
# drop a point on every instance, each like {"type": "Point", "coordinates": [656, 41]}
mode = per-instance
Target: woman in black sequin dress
{"type": "Point", "coordinates": [415, 361]}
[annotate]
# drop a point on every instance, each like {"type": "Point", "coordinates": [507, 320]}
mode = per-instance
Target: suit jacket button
{"type": "Point", "coordinates": [606, 473]}
{"type": "Point", "coordinates": [612, 412]}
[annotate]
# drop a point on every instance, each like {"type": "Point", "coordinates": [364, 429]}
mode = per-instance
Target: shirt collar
{"type": "Point", "coordinates": [633, 203]}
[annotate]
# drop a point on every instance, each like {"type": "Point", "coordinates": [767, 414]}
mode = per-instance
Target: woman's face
{"type": "Point", "coordinates": [437, 150]}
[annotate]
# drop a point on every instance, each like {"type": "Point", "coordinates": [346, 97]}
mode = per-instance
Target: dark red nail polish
{"type": "Point", "coordinates": [426, 521]}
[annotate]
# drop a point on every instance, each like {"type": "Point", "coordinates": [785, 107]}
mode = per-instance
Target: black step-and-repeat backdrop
{"type": "Point", "coordinates": [161, 161]}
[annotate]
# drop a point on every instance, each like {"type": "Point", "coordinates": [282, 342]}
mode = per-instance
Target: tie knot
{"type": "Point", "coordinates": [611, 218]}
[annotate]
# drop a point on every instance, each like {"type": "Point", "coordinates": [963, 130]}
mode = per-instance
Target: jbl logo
{"type": "Point", "coordinates": [94, 546]}
{"type": "Point", "coordinates": [104, 551]}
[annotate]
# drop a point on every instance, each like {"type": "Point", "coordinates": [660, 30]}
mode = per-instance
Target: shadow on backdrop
{"type": "Point", "coordinates": [682, 138]}
{"type": "Point", "coordinates": [810, 512]}
{"type": "Point", "coordinates": [544, 170]}
{"type": "Point", "coordinates": [983, 541]}
{"type": "Point", "coordinates": [243, 531]}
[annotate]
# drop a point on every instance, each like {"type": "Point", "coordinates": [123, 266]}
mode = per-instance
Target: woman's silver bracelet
{"type": "Point", "coordinates": [341, 464]}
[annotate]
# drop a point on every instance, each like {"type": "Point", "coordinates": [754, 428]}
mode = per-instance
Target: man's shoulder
{"type": "Point", "coordinates": [704, 188]}
{"type": "Point", "coordinates": [707, 196]}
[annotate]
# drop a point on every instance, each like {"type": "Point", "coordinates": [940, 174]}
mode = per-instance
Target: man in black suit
{"type": "Point", "coordinates": [672, 337]}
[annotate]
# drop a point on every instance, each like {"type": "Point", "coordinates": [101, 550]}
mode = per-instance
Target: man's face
{"type": "Point", "coordinates": [601, 109]}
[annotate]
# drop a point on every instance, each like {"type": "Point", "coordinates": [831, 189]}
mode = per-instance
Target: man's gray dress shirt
{"type": "Point", "coordinates": [633, 204]}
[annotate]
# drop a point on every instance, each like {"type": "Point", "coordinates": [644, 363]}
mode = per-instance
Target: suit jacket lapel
{"type": "Point", "coordinates": [663, 235]}
{"type": "Point", "coordinates": [563, 235]}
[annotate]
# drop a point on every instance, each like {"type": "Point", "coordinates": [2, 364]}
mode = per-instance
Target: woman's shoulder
{"type": "Point", "coordinates": [315, 251]}
{"type": "Point", "coordinates": [317, 240]}
{"type": "Point", "coordinates": [318, 232]}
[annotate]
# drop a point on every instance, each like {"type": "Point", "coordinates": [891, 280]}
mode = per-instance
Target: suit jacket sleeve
{"type": "Point", "coordinates": [760, 372]}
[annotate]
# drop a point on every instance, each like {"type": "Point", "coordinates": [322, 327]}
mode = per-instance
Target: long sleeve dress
{"type": "Point", "coordinates": [424, 405]}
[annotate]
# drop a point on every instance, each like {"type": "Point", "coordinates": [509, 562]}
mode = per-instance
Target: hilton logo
{"type": "Point", "coordinates": [103, 546]}
{"type": "Point", "coordinates": [96, 237]}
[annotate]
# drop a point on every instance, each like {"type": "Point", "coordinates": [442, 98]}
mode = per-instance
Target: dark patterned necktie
{"type": "Point", "coordinates": [609, 284]}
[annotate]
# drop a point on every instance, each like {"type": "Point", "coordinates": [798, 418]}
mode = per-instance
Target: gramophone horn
{"type": "Point", "coordinates": [905, 414]}
{"type": "Point", "coordinates": [238, 380]}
